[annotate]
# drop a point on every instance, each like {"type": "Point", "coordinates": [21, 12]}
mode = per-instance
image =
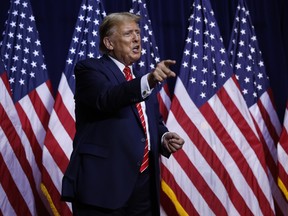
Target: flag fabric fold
{"type": "Point", "coordinates": [282, 151]}
{"type": "Point", "coordinates": [221, 169]}
{"type": "Point", "coordinates": [26, 104]}
{"type": "Point", "coordinates": [61, 129]}
{"type": "Point", "coordinates": [14, 200]}
{"type": "Point", "coordinates": [249, 68]}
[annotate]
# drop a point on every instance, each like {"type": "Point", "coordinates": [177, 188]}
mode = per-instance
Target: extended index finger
{"type": "Point", "coordinates": [169, 62]}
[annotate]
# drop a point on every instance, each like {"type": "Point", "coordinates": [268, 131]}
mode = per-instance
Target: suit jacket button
{"type": "Point", "coordinates": [143, 140]}
{"type": "Point", "coordinates": [139, 163]}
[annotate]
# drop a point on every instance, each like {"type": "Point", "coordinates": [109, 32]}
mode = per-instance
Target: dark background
{"type": "Point", "coordinates": [56, 21]}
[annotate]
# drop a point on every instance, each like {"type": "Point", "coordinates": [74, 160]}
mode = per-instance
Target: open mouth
{"type": "Point", "coordinates": [136, 49]}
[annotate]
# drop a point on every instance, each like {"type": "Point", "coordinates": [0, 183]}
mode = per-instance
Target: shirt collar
{"type": "Point", "coordinates": [120, 65]}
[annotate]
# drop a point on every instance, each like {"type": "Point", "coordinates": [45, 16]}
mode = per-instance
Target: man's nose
{"type": "Point", "coordinates": [136, 36]}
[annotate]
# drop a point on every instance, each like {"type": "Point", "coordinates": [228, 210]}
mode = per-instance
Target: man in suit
{"type": "Point", "coordinates": [114, 167]}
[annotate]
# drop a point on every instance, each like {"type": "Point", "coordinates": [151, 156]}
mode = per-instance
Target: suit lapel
{"type": "Point", "coordinates": [117, 73]}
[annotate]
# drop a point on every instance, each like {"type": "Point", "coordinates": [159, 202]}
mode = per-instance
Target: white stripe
{"type": "Point", "coordinates": [255, 112]}
{"type": "Point", "coordinates": [5, 205]}
{"type": "Point", "coordinates": [201, 123]}
{"type": "Point", "coordinates": [235, 94]}
{"type": "Point", "coordinates": [36, 124]}
{"type": "Point", "coordinates": [54, 172]}
{"type": "Point", "coordinates": [187, 186]}
{"type": "Point", "coordinates": [46, 97]}
{"type": "Point", "coordinates": [52, 169]}
{"type": "Point", "coordinates": [283, 158]}
{"type": "Point", "coordinates": [60, 134]}
{"type": "Point", "coordinates": [269, 142]}
{"type": "Point", "coordinates": [240, 140]}
{"type": "Point", "coordinates": [211, 178]}
{"type": "Point", "coordinates": [267, 103]}
{"type": "Point", "coordinates": [67, 95]}
{"type": "Point", "coordinates": [16, 172]}
{"type": "Point", "coordinates": [14, 118]}
{"type": "Point", "coordinates": [162, 212]}
{"type": "Point", "coordinates": [165, 98]}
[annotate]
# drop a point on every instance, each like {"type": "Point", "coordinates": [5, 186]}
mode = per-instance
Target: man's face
{"type": "Point", "coordinates": [126, 43]}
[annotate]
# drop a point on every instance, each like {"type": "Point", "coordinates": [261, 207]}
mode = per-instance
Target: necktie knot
{"type": "Point", "coordinates": [127, 72]}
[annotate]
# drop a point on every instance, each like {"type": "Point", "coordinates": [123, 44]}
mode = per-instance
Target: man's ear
{"type": "Point", "coordinates": [108, 43]}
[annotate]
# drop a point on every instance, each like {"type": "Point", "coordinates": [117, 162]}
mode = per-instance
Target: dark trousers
{"type": "Point", "coordinates": [139, 204]}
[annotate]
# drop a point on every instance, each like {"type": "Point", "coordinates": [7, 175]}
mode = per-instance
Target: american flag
{"type": "Point", "coordinates": [150, 55]}
{"type": "Point", "coordinates": [221, 169]}
{"type": "Point", "coordinates": [61, 129]}
{"type": "Point", "coordinates": [26, 104]}
{"type": "Point", "coordinates": [248, 65]}
{"type": "Point", "coordinates": [282, 150]}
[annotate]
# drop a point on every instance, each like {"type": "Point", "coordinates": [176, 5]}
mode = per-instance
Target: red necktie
{"type": "Point", "coordinates": [145, 161]}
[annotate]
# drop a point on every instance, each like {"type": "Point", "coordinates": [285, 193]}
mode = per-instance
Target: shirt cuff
{"type": "Point", "coordinates": [145, 88]}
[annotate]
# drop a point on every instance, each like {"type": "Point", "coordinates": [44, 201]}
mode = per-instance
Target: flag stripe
{"type": "Point", "coordinates": [170, 180]}
{"type": "Point", "coordinates": [282, 151]}
{"type": "Point", "coordinates": [61, 207]}
{"type": "Point", "coordinates": [27, 128]}
{"type": "Point", "coordinates": [22, 156]}
{"type": "Point", "coordinates": [249, 68]}
{"type": "Point", "coordinates": [29, 105]}
{"type": "Point", "coordinates": [6, 206]}
{"type": "Point", "coordinates": [246, 129]}
{"type": "Point", "coordinates": [52, 145]}
{"type": "Point", "coordinates": [164, 101]}
{"type": "Point", "coordinates": [14, 196]}
{"type": "Point", "coordinates": [181, 94]}
{"type": "Point", "coordinates": [211, 158]}
{"type": "Point", "coordinates": [65, 117]}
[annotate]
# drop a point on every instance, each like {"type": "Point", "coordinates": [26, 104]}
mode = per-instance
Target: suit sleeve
{"type": "Point", "coordinates": [100, 89]}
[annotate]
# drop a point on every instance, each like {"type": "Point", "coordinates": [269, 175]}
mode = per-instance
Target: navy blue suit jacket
{"type": "Point", "coordinates": [109, 142]}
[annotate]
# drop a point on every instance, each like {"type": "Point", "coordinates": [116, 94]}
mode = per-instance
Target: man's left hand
{"type": "Point", "coordinates": [173, 142]}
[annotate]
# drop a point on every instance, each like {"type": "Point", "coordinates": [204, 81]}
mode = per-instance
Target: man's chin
{"type": "Point", "coordinates": [136, 57]}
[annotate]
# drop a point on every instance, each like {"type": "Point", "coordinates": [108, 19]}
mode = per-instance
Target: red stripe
{"type": "Point", "coordinates": [13, 194]}
{"type": "Point", "coordinates": [284, 140]}
{"type": "Point", "coordinates": [162, 105]}
{"type": "Point", "coordinates": [162, 108]}
{"type": "Point", "coordinates": [271, 164]}
{"type": "Point", "coordinates": [39, 108]}
{"type": "Point", "coordinates": [254, 142]}
{"type": "Point", "coordinates": [4, 78]}
{"type": "Point", "coordinates": [27, 128]}
{"type": "Point", "coordinates": [167, 204]}
{"type": "Point", "coordinates": [268, 122]}
{"type": "Point", "coordinates": [56, 151]}
{"type": "Point", "coordinates": [19, 151]}
{"type": "Point", "coordinates": [60, 206]}
{"type": "Point", "coordinates": [64, 116]}
{"type": "Point", "coordinates": [166, 89]}
{"type": "Point", "coordinates": [283, 175]}
{"type": "Point", "coordinates": [212, 159]}
{"type": "Point", "coordinates": [244, 127]}
{"type": "Point", "coordinates": [184, 201]}
{"type": "Point", "coordinates": [236, 154]}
